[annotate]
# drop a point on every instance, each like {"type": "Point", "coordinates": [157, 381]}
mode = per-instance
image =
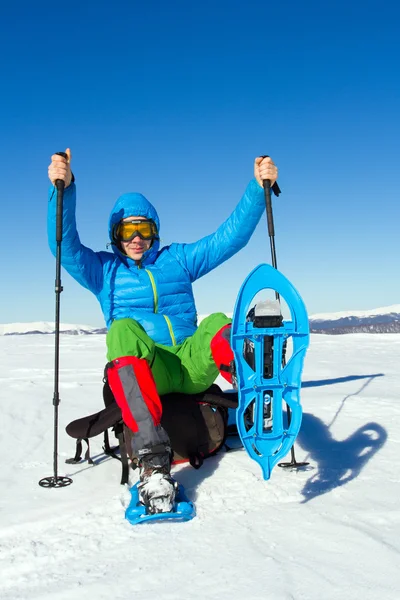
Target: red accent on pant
{"type": "Point", "coordinates": [222, 352]}
{"type": "Point", "coordinates": [146, 384]}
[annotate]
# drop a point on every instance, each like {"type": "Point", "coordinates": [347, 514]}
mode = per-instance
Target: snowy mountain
{"type": "Point", "coordinates": [379, 320]}
{"type": "Point", "coordinates": [45, 327]}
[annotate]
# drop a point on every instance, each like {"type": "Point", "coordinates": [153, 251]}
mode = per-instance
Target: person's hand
{"type": "Point", "coordinates": [264, 168]}
{"type": "Point", "coordinates": [60, 168]}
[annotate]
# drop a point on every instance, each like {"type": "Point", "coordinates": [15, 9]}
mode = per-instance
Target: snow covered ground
{"type": "Point", "coordinates": [330, 532]}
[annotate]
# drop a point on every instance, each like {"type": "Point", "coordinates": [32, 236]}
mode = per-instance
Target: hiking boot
{"type": "Point", "coordinates": [157, 489]}
{"type": "Point", "coordinates": [157, 492]}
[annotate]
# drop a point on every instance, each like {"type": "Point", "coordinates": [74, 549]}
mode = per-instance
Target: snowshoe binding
{"type": "Point", "coordinates": [157, 496]}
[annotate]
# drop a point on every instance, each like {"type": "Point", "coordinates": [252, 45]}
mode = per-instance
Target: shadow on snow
{"type": "Point", "coordinates": [321, 382]}
{"type": "Point", "coordinates": [338, 462]}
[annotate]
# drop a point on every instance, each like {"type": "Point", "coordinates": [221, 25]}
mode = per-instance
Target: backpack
{"type": "Point", "coordinates": [197, 426]}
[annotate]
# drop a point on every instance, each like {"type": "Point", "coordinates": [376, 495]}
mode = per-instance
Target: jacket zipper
{"type": "Point", "coordinates": [171, 331]}
{"type": "Point", "coordinates": [153, 285]}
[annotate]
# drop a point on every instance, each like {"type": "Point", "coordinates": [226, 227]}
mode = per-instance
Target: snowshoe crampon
{"type": "Point", "coordinates": [136, 513]}
{"type": "Point", "coordinates": [266, 383]}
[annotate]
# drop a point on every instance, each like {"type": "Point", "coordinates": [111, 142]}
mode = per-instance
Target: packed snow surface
{"type": "Point", "coordinates": [329, 532]}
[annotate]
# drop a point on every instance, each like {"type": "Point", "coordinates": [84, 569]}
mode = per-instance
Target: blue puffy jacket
{"type": "Point", "coordinates": [157, 293]}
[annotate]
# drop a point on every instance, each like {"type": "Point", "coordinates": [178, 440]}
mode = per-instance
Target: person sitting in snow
{"type": "Point", "coordinates": [154, 345]}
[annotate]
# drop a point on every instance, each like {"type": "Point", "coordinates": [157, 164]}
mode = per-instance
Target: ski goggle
{"type": "Point", "coordinates": [127, 230]}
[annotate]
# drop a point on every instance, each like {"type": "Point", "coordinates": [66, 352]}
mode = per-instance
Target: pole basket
{"type": "Point", "coordinates": [293, 464]}
{"type": "Point", "coordinates": [55, 482]}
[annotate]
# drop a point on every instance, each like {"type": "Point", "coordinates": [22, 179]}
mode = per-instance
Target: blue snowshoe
{"type": "Point", "coordinates": [266, 384]}
{"type": "Point", "coordinates": [157, 496]}
{"type": "Point", "coordinates": [137, 512]}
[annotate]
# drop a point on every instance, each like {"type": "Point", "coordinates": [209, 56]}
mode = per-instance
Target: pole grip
{"type": "Point", "coordinates": [59, 214]}
{"type": "Point", "coordinates": [268, 207]}
{"type": "Point", "coordinates": [60, 185]}
{"type": "Point", "coordinates": [275, 188]}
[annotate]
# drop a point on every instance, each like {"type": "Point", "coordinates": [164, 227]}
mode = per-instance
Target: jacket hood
{"type": "Point", "coordinates": [134, 204]}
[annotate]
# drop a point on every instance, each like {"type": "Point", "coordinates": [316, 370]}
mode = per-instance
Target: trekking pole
{"type": "Point", "coordinates": [57, 480]}
{"type": "Point", "coordinates": [271, 232]}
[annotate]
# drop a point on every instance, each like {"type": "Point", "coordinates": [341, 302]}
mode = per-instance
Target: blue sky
{"type": "Point", "coordinates": [175, 100]}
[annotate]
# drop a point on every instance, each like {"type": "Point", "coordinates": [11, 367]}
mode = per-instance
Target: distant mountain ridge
{"type": "Point", "coordinates": [378, 320]}
{"type": "Point", "coordinates": [48, 327]}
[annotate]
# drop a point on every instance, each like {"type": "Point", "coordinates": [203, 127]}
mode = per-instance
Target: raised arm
{"type": "Point", "coordinates": [211, 251]}
{"type": "Point", "coordinates": [82, 263]}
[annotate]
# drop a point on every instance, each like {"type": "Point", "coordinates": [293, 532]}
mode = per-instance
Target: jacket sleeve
{"type": "Point", "coordinates": [211, 251]}
{"type": "Point", "coordinates": [82, 263]}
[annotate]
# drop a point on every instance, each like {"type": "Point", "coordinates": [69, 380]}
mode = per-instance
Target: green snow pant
{"type": "Point", "coordinates": [187, 368]}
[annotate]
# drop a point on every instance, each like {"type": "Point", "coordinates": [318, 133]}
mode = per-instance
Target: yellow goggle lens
{"type": "Point", "coordinates": [128, 230]}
